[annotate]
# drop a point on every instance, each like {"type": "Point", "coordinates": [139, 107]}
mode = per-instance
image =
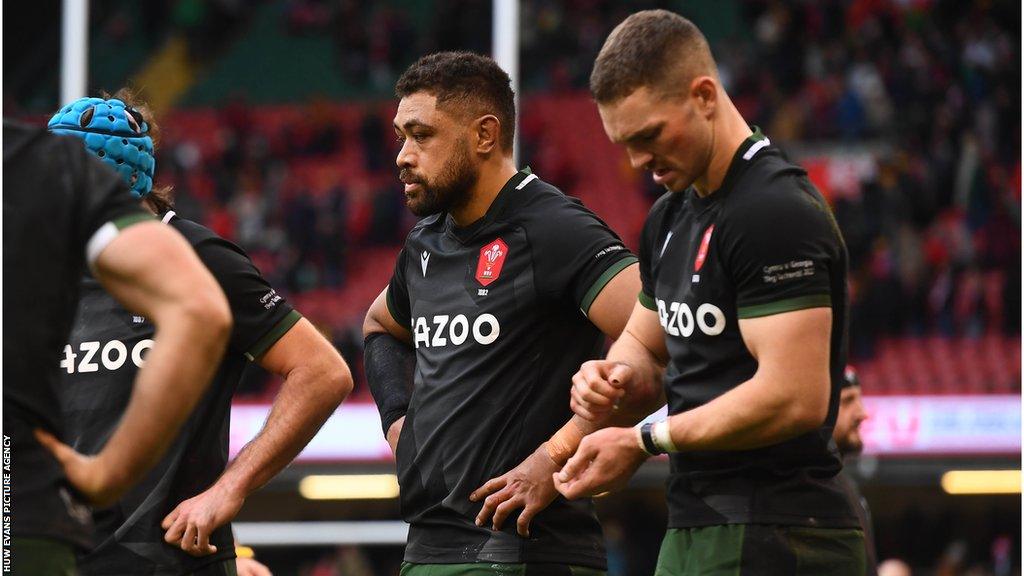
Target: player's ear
{"type": "Point", "coordinates": [704, 90]}
{"type": "Point", "coordinates": [488, 130]}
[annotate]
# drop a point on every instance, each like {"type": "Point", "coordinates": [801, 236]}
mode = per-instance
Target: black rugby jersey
{"type": "Point", "coordinates": [107, 346]}
{"type": "Point", "coordinates": [497, 312]}
{"type": "Point", "coordinates": [763, 244]}
{"type": "Point", "coordinates": [58, 200]}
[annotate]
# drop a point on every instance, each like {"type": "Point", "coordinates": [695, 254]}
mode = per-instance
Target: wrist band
{"type": "Point", "coordinates": [647, 441]}
{"type": "Point", "coordinates": [244, 552]}
{"type": "Point", "coordinates": [661, 433]}
{"type": "Point", "coordinates": [564, 443]}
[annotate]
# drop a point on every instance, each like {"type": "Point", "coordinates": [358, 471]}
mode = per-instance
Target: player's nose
{"type": "Point", "coordinates": [862, 415]}
{"type": "Point", "coordinates": [405, 158]}
{"type": "Point", "coordinates": [638, 159]}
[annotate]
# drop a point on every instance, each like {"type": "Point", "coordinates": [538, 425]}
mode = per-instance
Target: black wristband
{"type": "Point", "coordinates": [389, 364]}
{"type": "Point", "coordinates": [648, 439]}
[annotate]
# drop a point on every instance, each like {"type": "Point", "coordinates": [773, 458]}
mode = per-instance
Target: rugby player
{"type": "Point", "coordinates": [64, 210]}
{"type": "Point", "coordinates": [850, 444]}
{"type": "Point", "coordinates": [177, 520]}
{"type": "Point", "coordinates": [744, 300]}
{"type": "Point", "coordinates": [496, 295]}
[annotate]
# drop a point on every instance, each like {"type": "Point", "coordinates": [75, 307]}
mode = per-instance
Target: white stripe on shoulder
{"type": "Point", "coordinates": [167, 217]}
{"type": "Point", "coordinates": [665, 245]}
{"type": "Point", "coordinates": [756, 148]}
{"type": "Point", "coordinates": [100, 239]}
{"type": "Point", "coordinates": [526, 181]}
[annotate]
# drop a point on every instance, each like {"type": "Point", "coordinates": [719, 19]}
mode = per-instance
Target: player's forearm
{"type": "Point", "coordinates": [644, 395]}
{"type": "Point", "coordinates": [757, 413]}
{"type": "Point", "coordinates": [187, 349]}
{"type": "Point", "coordinates": [390, 365]}
{"type": "Point", "coordinates": [308, 397]}
{"type": "Point", "coordinates": [646, 392]}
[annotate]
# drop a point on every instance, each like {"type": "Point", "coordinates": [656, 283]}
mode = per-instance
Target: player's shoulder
{"type": "Point", "coordinates": [770, 173]}
{"type": "Point", "coordinates": [19, 136]}
{"type": "Point", "coordinates": [34, 148]}
{"type": "Point", "coordinates": [772, 187]}
{"type": "Point", "coordinates": [202, 239]}
{"type": "Point", "coordinates": [536, 203]}
{"type": "Point", "coordinates": [194, 232]}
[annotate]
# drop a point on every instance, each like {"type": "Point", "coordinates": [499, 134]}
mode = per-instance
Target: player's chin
{"type": "Point", "coordinates": [857, 444]}
{"type": "Point", "coordinates": [673, 181]}
{"type": "Point", "coordinates": [419, 207]}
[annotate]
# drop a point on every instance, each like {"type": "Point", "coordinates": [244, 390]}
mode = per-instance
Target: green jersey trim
{"type": "Point", "coordinates": [391, 310]}
{"type": "Point", "coordinates": [603, 280]}
{"type": "Point", "coordinates": [126, 221]}
{"type": "Point", "coordinates": [787, 305]}
{"type": "Point", "coordinates": [106, 233]}
{"type": "Point", "coordinates": [646, 301]}
{"type": "Point", "coordinates": [275, 334]}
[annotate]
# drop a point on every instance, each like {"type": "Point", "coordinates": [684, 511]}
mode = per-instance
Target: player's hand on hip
{"type": "Point", "coordinates": [87, 474]}
{"type": "Point", "coordinates": [191, 523]}
{"type": "Point", "coordinates": [250, 567]}
{"type": "Point", "coordinates": [604, 461]}
{"type": "Point", "coordinates": [597, 388]}
{"type": "Point", "coordinates": [527, 486]}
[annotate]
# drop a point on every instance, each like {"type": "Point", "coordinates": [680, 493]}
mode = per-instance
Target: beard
{"type": "Point", "coordinates": [450, 190]}
{"type": "Point", "coordinates": [850, 444]}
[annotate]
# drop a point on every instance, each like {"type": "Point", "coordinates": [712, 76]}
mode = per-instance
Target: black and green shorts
{"type": "Point", "coordinates": [496, 569]}
{"type": "Point", "coordinates": [761, 550]}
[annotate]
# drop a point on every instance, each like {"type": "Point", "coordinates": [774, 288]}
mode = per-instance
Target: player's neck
{"type": "Point", "coordinates": [728, 134]}
{"type": "Point", "coordinates": [492, 179]}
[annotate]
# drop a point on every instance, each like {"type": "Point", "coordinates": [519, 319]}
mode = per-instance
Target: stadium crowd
{"type": "Point", "coordinates": [925, 89]}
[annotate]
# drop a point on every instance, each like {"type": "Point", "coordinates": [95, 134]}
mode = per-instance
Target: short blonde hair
{"type": "Point", "coordinates": [654, 48]}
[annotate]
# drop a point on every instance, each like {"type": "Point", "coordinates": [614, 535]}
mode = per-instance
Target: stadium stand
{"type": "Point", "coordinates": [906, 114]}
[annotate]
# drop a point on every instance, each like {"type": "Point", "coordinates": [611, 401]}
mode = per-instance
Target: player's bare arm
{"type": "Point", "coordinates": [634, 365]}
{"type": "Point", "coordinates": [397, 340]}
{"type": "Point", "coordinates": [193, 322]}
{"type": "Point", "coordinates": [787, 396]}
{"type": "Point", "coordinates": [627, 384]}
{"type": "Point", "coordinates": [316, 381]}
{"type": "Point", "coordinates": [529, 485]}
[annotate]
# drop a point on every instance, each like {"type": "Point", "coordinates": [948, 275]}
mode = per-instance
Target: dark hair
{"type": "Point", "coordinates": [160, 198]}
{"type": "Point", "coordinates": [654, 48]}
{"type": "Point", "coordinates": [471, 82]}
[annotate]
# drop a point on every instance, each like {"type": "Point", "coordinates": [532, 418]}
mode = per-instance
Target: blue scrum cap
{"type": "Point", "coordinates": [114, 132]}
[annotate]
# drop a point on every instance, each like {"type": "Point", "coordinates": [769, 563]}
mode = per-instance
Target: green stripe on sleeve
{"type": "Point", "coordinates": [391, 310]}
{"type": "Point", "coordinates": [126, 221]}
{"type": "Point", "coordinates": [603, 280]}
{"type": "Point", "coordinates": [271, 338]}
{"type": "Point", "coordinates": [646, 301]}
{"type": "Point", "coordinates": [788, 305]}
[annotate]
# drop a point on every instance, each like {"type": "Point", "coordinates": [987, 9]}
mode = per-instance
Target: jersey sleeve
{"type": "Point", "coordinates": [104, 204]}
{"type": "Point", "coordinates": [398, 293]}
{"type": "Point", "coordinates": [576, 254]}
{"type": "Point", "coordinates": [261, 315]}
{"type": "Point", "coordinates": [780, 248]}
